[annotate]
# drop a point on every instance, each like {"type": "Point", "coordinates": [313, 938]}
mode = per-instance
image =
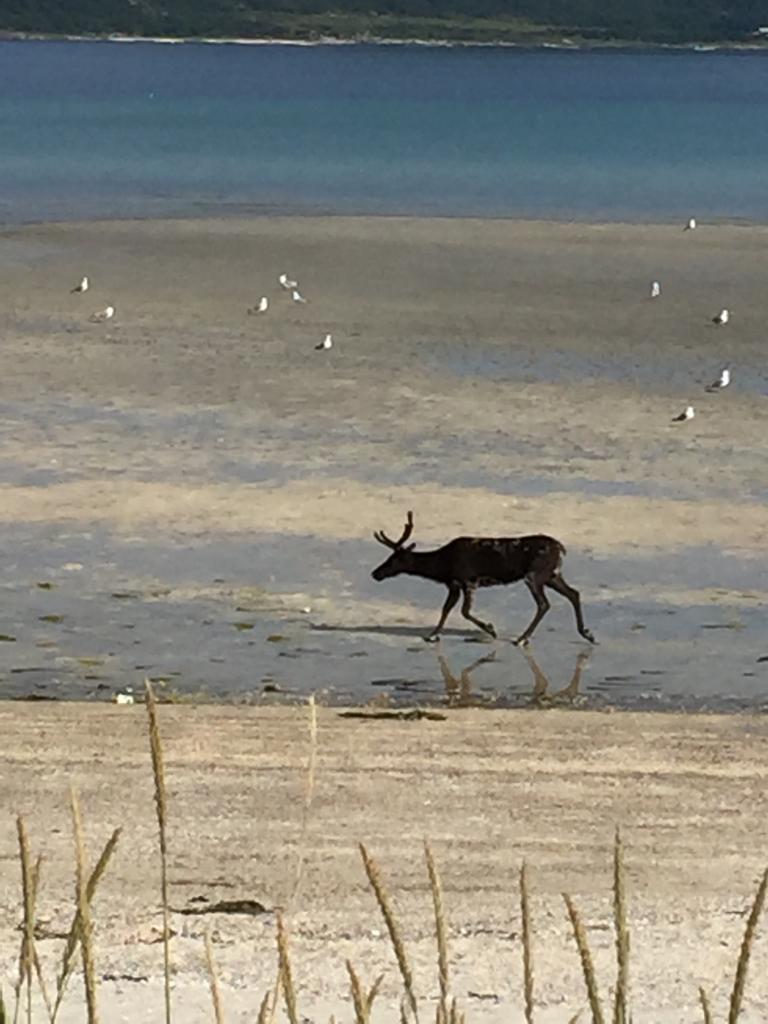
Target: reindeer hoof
{"type": "Point", "coordinates": [490, 630]}
{"type": "Point", "coordinates": [431, 638]}
{"type": "Point", "coordinates": [588, 636]}
{"type": "Point", "coordinates": [522, 641]}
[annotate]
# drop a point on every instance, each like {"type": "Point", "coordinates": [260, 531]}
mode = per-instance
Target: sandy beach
{"type": "Point", "coordinates": [488, 789]}
{"type": "Point", "coordinates": [188, 494]}
{"type": "Point", "coordinates": [183, 482]}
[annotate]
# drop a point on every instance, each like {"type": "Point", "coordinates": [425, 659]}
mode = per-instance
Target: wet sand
{"type": "Point", "coordinates": [488, 789]}
{"type": "Point", "coordinates": [187, 480]}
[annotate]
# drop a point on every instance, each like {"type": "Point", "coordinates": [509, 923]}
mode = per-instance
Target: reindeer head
{"type": "Point", "coordinates": [400, 560]}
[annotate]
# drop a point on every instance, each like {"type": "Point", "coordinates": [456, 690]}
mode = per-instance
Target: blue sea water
{"type": "Point", "coordinates": [93, 129]}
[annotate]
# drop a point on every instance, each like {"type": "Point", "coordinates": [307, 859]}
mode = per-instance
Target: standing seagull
{"type": "Point", "coordinates": [102, 315]}
{"type": "Point", "coordinates": [686, 414]}
{"type": "Point", "coordinates": [296, 296]}
{"type": "Point", "coordinates": [722, 381]}
{"type": "Point", "coordinates": [655, 289]}
{"type": "Point", "coordinates": [326, 343]}
{"type": "Point", "coordinates": [285, 282]}
{"type": "Point", "coordinates": [262, 307]}
{"type": "Point", "coordinates": [691, 225]}
{"type": "Point", "coordinates": [722, 317]}
{"type": "Point", "coordinates": [84, 285]}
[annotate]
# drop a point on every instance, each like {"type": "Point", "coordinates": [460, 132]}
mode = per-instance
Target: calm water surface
{"type": "Point", "coordinates": [105, 129]}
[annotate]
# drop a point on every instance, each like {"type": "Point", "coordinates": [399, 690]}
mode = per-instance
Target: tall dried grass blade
{"type": "Point", "coordinates": [26, 955]}
{"type": "Point", "coordinates": [359, 1002]}
{"type": "Point", "coordinates": [382, 898]}
{"type": "Point", "coordinates": [73, 936]}
{"type": "Point", "coordinates": [3, 1014]}
{"type": "Point", "coordinates": [264, 1009]}
{"type": "Point", "coordinates": [587, 966]}
{"type": "Point", "coordinates": [84, 909]}
{"type": "Point", "coordinates": [525, 914]}
{"type": "Point", "coordinates": [161, 806]}
{"type": "Point", "coordinates": [36, 875]}
{"type": "Point", "coordinates": [213, 980]}
{"type": "Point", "coordinates": [309, 789]}
{"type": "Point", "coordinates": [286, 975]}
{"type": "Point", "coordinates": [374, 991]}
{"type": "Point", "coordinates": [440, 929]}
{"type": "Point", "coordinates": [705, 1009]}
{"type": "Point", "coordinates": [404, 1012]}
{"type": "Point", "coordinates": [622, 934]}
{"type": "Point", "coordinates": [740, 977]}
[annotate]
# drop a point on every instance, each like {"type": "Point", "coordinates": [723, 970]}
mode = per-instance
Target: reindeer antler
{"type": "Point", "coordinates": [382, 538]}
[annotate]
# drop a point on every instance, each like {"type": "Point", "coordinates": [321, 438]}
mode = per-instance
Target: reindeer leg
{"type": "Point", "coordinates": [453, 596]}
{"type": "Point", "coordinates": [571, 691]}
{"type": "Point", "coordinates": [466, 611]}
{"type": "Point", "coordinates": [558, 583]}
{"type": "Point", "coordinates": [536, 587]}
{"type": "Point", "coordinates": [540, 681]}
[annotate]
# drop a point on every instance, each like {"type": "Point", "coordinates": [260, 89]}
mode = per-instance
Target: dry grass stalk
{"type": "Point", "coordinates": [740, 977]}
{"type": "Point", "coordinates": [359, 1001]}
{"type": "Point", "coordinates": [309, 789]}
{"type": "Point", "coordinates": [38, 969]}
{"type": "Point", "coordinates": [382, 898]}
{"type": "Point", "coordinates": [3, 1014]}
{"type": "Point", "coordinates": [525, 914]}
{"type": "Point", "coordinates": [28, 893]}
{"type": "Point", "coordinates": [440, 929]}
{"type": "Point", "coordinates": [575, 1017]}
{"type": "Point", "coordinates": [286, 976]}
{"type": "Point", "coordinates": [404, 1012]}
{"type": "Point", "coordinates": [263, 1017]}
{"type": "Point", "coordinates": [158, 772]}
{"type": "Point", "coordinates": [587, 966]}
{"type": "Point", "coordinates": [455, 1017]}
{"type": "Point", "coordinates": [705, 1006]}
{"type": "Point", "coordinates": [373, 992]}
{"type": "Point", "coordinates": [622, 934]}
{"type": "Point", "coordinates": [84, 910]}
{"type": "Point", "coordinates": [73, 936]}
{"type": "Point", "coordinates": [213, 980]}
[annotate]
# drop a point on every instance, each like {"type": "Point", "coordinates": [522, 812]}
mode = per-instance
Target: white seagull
{"type": "Point", "coordinates": [691, 225]}
{"type": "Point", "coordinates": [262, 307]}
{"type": "Point", "coordinates": [102, 315]}
{"type": "Point", "coordinates": [722, 317]}
{"type": "Point", "coordinates": [722, 381]}
{"type": "Point", "coordinates": [296, 296]}
{"type": "Point", "coordinates": [326, 343]}
{"type": "Point", "coordinates": [655, 289]}
{"type": "Point", "coordinates": [84, 285]}
{"type": "Point", "coordinates": [687, 414]}
{"type": "Point", "coordinates": [285, 282]}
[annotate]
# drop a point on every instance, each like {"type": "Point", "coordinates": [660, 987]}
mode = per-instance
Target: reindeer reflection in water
{"type": "Point", "coordinates": [458, 689]}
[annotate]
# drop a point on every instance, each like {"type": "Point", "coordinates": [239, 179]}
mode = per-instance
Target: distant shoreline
{"type": "Point", "coordinates": [371, 40]}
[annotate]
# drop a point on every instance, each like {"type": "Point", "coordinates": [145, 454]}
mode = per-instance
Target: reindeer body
{"type": "Point", "coordinates": [484, 561]}
{"type": "Point", "coordinates": [466, 563]}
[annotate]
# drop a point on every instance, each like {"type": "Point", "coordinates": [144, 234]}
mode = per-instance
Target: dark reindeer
{"type": "Point", "coordinates": [466, 563]}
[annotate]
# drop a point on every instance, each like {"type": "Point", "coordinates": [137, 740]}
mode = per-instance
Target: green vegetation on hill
{"type": "Point", "coordinates": [523, 21]}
